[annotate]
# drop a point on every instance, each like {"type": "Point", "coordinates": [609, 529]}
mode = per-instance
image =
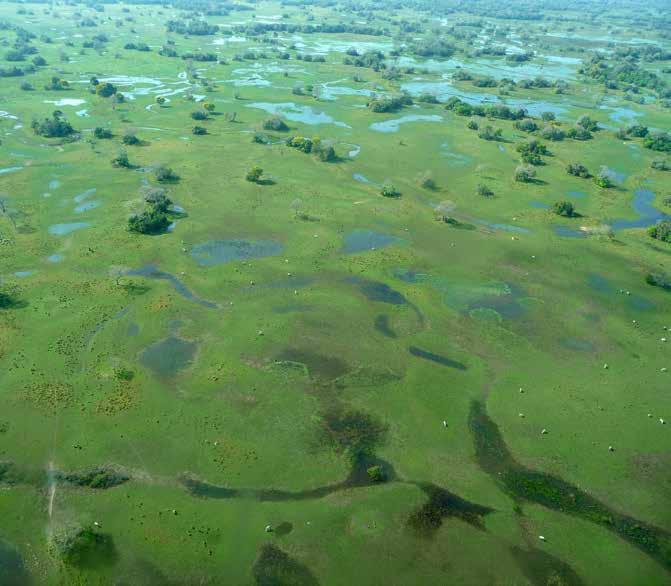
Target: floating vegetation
{"type": "Point", "coordinates": [549, 491]}
{"type": "Point", "coordinates": [437, 358]}
{"type": "Point", "coordinates": [274, 567]}
{"type": "Point", "coordinates": [98, 478]}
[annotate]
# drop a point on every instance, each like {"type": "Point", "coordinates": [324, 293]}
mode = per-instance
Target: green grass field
{"type": "Point", "coordinates": [206, 405]}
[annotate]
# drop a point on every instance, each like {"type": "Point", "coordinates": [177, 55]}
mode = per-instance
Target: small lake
{"type": "Point", "coordinates": [216, 252]}
{"type": "Point", "coordinates": [394, 125]}
{"type": "Point", "coordinates": [65, 229]}
{"type": "Point", "coordinates": [363, 240]}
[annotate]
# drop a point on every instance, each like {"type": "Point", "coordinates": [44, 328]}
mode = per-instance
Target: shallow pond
{"type": "Point", "coordinates": [168, 357]}
{"type": "Point", "coordinates": [217, 252]}
{"type": "Point", "coordinates": [363, 240]}
{"type": "Point", "coordinates": [394, 125]}
{"type": "Point", "coordinates": [65, 229]}
{"type": "Point", "coordinates": [291, 111]}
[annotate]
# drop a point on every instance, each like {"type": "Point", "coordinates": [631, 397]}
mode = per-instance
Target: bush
{"type": "Point", "coordinates": [121, 160]}
{"type": "Point", "coordinates": [376, 474]}
{"type": "Point", "coordinates": [661, 231]}
{"type": "Point", "coordinates": [6, 300]}
{"type": "Point", "coordinates": [101, 132]}
{"type": "Point", "coordinates": [552, 133]}
{"type": "Point", "coordinates": [658, 141]}
{"type": "Point", "coordinates": [54, 127]}
{"type": "Point", "coordinates": [130, 139]}
{"type": "Point", "coordinates": [489, 133]}
{"type": "Point", "coordinates": [275, 123]}
{"type": "Point", "coordinates": [165, 174]}
{"type": "Point", "coordinates": [658, 280]}
{"type": "Point", "coordinates": [254, 174]}
{"type": "Point", "coordinates": [105, 90]}
{"type": "Point", "coordinates": [564, 208]}
{"type": "Point", "coordinates": [199, 130]}
{"type": "Point", "coordinates": [660, 165]}
{"type": "Point", "coordinates": [78, 545]}
{"type": "Point", "coordinates": [389, 190]}
{"type": "Point", "coordinates": [427, 181]}
{"type": "Point", "coordinates": [484, 191]}
{"type": "Point", "coordinates": [587, 123]}
{"type": "Point", "coordinates": [577, 170]}
{"type": "Point", "coordinates": [150, 221]}
{"type": "Point", "coordinates": [525, 174]}
{"type": "Point", "coordinates": [199, 115]}
{"type": "Point", "coordinates": [472, 125]}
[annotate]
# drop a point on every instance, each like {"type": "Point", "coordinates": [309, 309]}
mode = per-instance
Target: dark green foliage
{"type": "Point", "coordinates": [498, 111]}
{"type": "Point", "coordinates": [389, 103]}
{"type": "Point", "coordinates": [254, 174]}
{"type": "Point", "coordinates": [325, 152]}
{"type": "Point", "coordinates": [577, 170]}
{"type": "Point", "coordinates": [199, 115]}
{"type": "Point", "coordinates": [273, 567]}
{"type": "Point", "coordinates": [97, 478]}
{"type": "Point", "coordinates": [661, 231]}
{"type": "Point", "coordinates": [165, 174]}
{"type": "Point", "coordinates": [137, 47]}
{"type": "Point", "coordinates": [525, 174]}
{"type": "Point", "coordinates": [552, 133]}
{"type": "Point", "coordinates": [489, 133]}
{"type": "Point", "coordinates": [55, 127]}
{"type": "Point", "coordinates": [275, 123]}
{"type": "Point", "coordinates": [354, 433]}
{"type": "Point", "coordinates": [301, 143]}
{"type": "Point", "coordinates": [102, 133]}
{"type": "Point", "coordinates": [199, 130]}
{"type": "Point", "coordinates": [484, 191]}
{"type": "Point", "coordinates": [121, 160]}
{"type": "Point", "coordinates": [376, 473]}
{"type": "Point", "coordinates": [57, 84]}
{"type": "Point", "coordinates": [82, 546]}
{"type": "Point", "coordinates": [105, 90]}
{"type": "Point", "coordinates": [150, 221]}
{"type": "Point", "coordinates": [129, 139]}
{"type": "Point", "coordinates": [427, 98]}
{"type": "Point", "coordinates": [637, 131]}
{"type": "Point", "coordinates": [526, 125]}
{"type": "Point", "coordinates": [472, 125]}
{"type": "Point", "coordinates": [191, 27]}
{"type": "Point", "coordinates": [658, 141]}
{"type": "Point", "coordinates": [578, 133]}
{"type": "Point", "coordinates": [658, 280]}
{"type": "Point", "coordinates": [564, 208]}
{"type": "Point", "coordinates": [587, 123]}
{"type": "Point", "coordinates": [531, 151]}
{"type": "Point", "coordinates": [660, 165]}
{"type": "Point", "coordinates": [158, 200]}
{"type": "Point", "coordinates": [389, 190]}
{"type": "Point", "coordinates": [7, 300]}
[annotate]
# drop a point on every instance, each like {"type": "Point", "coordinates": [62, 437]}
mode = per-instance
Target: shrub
{"type": "Point", "coordinates": [603, 179]}
{"type": "Point", "coordinates": [254, 174]}
{"type": "Point", "coordinates": [389, 190]}
{"type": "Point", "coordinates": [577, 170]}
{"type": "Point", "coordinates": [121, 160]}
{"type": "Point", "coordinates": [661, 231]}
{"type": "Point", "coordinates": [525, 174]}
{"type": "Point", "coordinates": [275, 123]}
{"type": "Point", "coordinates": [150, 221]}
{"type": "Point", "coordinates": [165, 174]}
{"type": "Point", "coordinates": [376, 474]}
{"type": "Point", "coordinates": [484, 191]}
{"type": "Point", "coordinates": [199, 115]}
{"type": "Point", "coordinates": [199, 130]}
{"type": "Point", "coordinates": [101, 132]}
{"type": "Point", "coordinates": [54, 127]}
{"type": "Point", "coordinates": [660, 165]}
{"type": "Point", "coordinates": [564, 208]}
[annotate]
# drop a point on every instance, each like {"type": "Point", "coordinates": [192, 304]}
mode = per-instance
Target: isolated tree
{"type": "Point", "coordinates": [564, 208]}
{"type": "Point", "coordinates": [525, 174]}
{"type": "Point", "coordinates": [254, 174]}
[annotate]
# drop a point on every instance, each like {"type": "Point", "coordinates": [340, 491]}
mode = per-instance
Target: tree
{"type": "Point", "coordinates": [525, 174]}
{"type": "Point", "coordinates": [165, 174]}
{"type": "Point", "coordinates": [102, 133]}
{"type": "Point", "coordinates": [552, 133]}
{"type": "Point", "coordinates": [6, 300]}
{"type": "Point", "coordinates": [427, 181]}
{"type": "Point", "coordinates": [660, 165]}
{"type": "Point", "coordinates": [637, 130]}
{"type": "Point", "coordinates": [55, 127]}
{"type": "Point", "coordinates": [661, 231]}
{"type": "Point", "coordinates": [160, 100]}
{"type": "Point", "coordinates": [275, 123]}
{"type": "Point", "coordinates": [209, 106]}
{"type": "Point", "coordinates": [129, 138]}
{"type": "Point", "coordinates": [105, 90]}
{"type": "Point", "coordinates": [254, 174]}
{"type": "Point", "coordinates": [564, 208]}
{"type": "Point", "coordinates": [472, 125]}
{"type": "Point", "coordinates": [149, 222]}
{"type": "Point", "coordinates": [376, 474]}
{"type": "Point", "coordinates": [121, 160]}
{"type": "Point", "coordinates": [484, 191]}
{"type": "Point", "coordinates": [577, 170]}
{"type": "Point", "coordinates": [389, 190]}
{"type": "Point", "coordinates": [199, 130]}
{"type": "Point", "coordinates": [199, 115]}
{"type": "Point", "coordinates": [548, 116]}
{"type": "Point", "coordinates": [489, 133]}
{"type": "Point", "coordinates": [587, 123]}
{"type": "Point", "coordinates": [658, 141]}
